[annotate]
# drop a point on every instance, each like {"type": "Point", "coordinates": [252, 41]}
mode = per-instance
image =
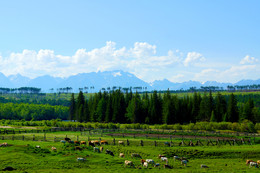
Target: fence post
{"type": "Point", "coordinates": [44, 136]}
{"type": "Point", "coordinates": [3, 138]}
{"type": "Point", "coordinates": [54, 139]}
{"type": "Point", "coordinates": [23, 137]}
{"type": "Point", "coordinates": [33, 138]}
{"type": "Point", "coordinates": [127, 142]}
{"type": "Point", "coordinates": [13, 137]}
{"type": "Point", "coordinates": [155, 144]}
{"type": "Point", "coordinates": [77, 137]}
{"type": "Point", "coordinates": [114, 141]}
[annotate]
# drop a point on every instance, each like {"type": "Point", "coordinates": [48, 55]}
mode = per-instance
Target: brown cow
{"type": "Point", "coordinates": [101, 149]}
{"type": "Point", "coordinates": [121, 155]}
{"type": "Point", "coordinates": [104, 142]}
{"type": "Point", "coordinates": [53, 148]}
{"type": "Point", "coordinates": [83, 143]}
{"type": "Point", "coordinates": [248, 161]}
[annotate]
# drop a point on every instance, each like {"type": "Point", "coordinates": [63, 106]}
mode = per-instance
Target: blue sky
{"type": "Point", "coordinates": [153, 39]}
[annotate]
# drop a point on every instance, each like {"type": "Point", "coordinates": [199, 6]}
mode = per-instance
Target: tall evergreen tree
{"type": "Point", "coordinates": [232, 110]}
{"type": "Point", "coordinates": [220, 108]}
{"type": "Point", "coordinates": [72, 108]}
{"type": "Point", "coordinates": [80, 106]}
{"type": "Point", "coordinates": [86, 117]}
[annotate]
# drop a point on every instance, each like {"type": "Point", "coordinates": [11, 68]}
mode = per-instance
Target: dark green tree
{"type": "Point", "coordinates": [232, 110]}
{"type": "Point", "coordinates": [72, 108]}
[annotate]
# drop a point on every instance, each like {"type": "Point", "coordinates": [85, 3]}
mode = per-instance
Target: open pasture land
{"type": "Point", "coordinates": [24, 156]}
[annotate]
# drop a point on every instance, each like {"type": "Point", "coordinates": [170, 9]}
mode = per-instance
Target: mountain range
{"type": "Point", "coordinates": [99, 80]}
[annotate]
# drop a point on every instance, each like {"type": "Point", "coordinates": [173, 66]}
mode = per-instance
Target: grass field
{"type": "Point", "coordinates": [25, 157]}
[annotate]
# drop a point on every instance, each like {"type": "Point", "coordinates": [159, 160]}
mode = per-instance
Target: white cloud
{"type": "Point", "coordinates": [141, 60]}
{"type": "Point", "coordinates": [248, 60]}
{"type": "Point", "coordinates": [193, 57]}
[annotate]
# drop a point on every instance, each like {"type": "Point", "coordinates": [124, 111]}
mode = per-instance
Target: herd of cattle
{"type": "Point", "coordinates": [143, 162]}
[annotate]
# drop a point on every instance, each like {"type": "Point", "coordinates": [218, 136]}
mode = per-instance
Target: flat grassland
{"type": "Point", "coordinates": [23, 156]}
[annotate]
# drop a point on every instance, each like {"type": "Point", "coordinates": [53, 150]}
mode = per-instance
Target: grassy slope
{"type": "Point", "coordinates": [27, 158]}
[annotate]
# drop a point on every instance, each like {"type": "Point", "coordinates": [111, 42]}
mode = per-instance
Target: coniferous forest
{"type": "Point", "coordinates": [163, 108]}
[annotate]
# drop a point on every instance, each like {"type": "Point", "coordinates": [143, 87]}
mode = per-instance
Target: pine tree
{"type": "Point", "coordinates": [80, 106]}
{"type": "Point", "coordinates": [101, 110]}
{"type": "Point", "coordinates": [220, 108]}
{"type": "Point", "coordinates": [232, 110]}
{"type": "Point", "coordinates": [212, 117]}
{"type": "Point", "coordinates": [72, 108]}
{"type": "Point", "coordinates": [86, 117]}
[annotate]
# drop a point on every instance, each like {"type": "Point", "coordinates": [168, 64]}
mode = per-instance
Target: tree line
{"type": "Point", "coordinates": [25, 111]}
{"type": "Point", "coordinates": [161, 108]}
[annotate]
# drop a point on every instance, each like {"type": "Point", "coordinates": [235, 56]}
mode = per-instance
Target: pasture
{"type": "Point", "coordinates": [24, 156]}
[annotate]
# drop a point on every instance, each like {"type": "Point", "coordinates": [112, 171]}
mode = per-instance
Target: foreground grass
{"type": "Point", "coordinates": [24, 157]}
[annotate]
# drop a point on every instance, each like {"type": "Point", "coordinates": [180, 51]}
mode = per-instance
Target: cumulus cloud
{"type": "Point", "coordinates": [141, 59]}
{"type": "Point", "coordinates": [248, 60]}
{"type": "Point", "coordinates": [193, 57]}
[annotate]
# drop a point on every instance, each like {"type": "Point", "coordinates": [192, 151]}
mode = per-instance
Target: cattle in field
{"type": "Point", "coordinates": [67, 139]}
{"type": "Point", "coordinates": [135, 155]}
{"type": "Point", "coordinates": [77, 142]}
{"type": "Point", "coordinates": [157, 165]}
{"type": "Point", "coordinates": [63, 141]}
{"type": "Point", "coordinates": [203, 166]}
{"type": "Point", "coordinates": [121, 142]}
{"type": "Point", "coordinates": [160, 156]}
{"type": "Point", "coordinates": [4, 144]}
{"type": "Point", "coordinates": [164, 159]}
{"type": "Point", "coordinates": [145, 164]}
{"type": "Point", "coordinates": [83, 143]}
{"type": "Point", "coordinates": [91, 144]}
{"type": "Point", "coordinates": [129, 163]}
{"type": "Point", "coordinates": [81, 159]}
{"type": "Point", "coordinates": [37, 146]}
{"type": "Point", "coordinates": [150, 161]}
{"type": "Point", "coordinates": [109, 152]}
{"type": "Point", "coordinates": [53, 148]}
{"type": "Point", "coordinates": [95, 142]}
{"type": "Point", "coordinates": [248, 161]}
{"type": "Point", "coordinates": [101, 149]}
{"type": "Point", "coordinates": [251, 164]}
{"type": "Point", "coordinates": [166, 143]}
{"type": "Point", "coordinates": [176, 158]}
{"type": "Point", "coordinates": [71, 142]}
{"type": "Point", "coordinates": [184, 162]}
{"type": "Point", "coordinates": [96, 149]}
{"type": "Point", "coordinates": [142, 161]}
{"type": "Point", "coordinates": [104, 142]}
{"type": "Point", "coordinates": [258, 162]}
{"type": "Point", "coordinates": [121, 155]}
{"type": "Point", "coordinates": [167, 167]}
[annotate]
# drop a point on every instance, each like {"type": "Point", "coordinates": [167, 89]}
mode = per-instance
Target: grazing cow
{"type": "Point", "coordinates": [164, 159]}
{"type": "Point", "coordinates": [253, 164]}
{"type": "Point", "coordinates": [53, 148]}
{"type": "Point", "coordinates": [37, 146]}
{"type": "Point", "coordinates": [157, 165]}
{"type": "Point", "coordinates": [71, 142]}
{"type": "Point", "coordinates": [184, 162]}
{"type": "Point", "coordinates": [160, 156]}
{"type": "Point", "coordinates": [142, 161]}
{"type": "Point", "coordinates": [77, 142]}
{"type": "Point", "coordinates": [129, 163]}
{"type": "Point", "coordinates": [167, 166]}
{"type": "Point", "coordinates": [104, 142]}
{"type": "Point", "coordinates": [96, 149]}
{"type": "Point", "coordinates": [135, 155]}
{"type": "Point", "coordinates": [109, 152]}
{"type": "Point", "coordinates": [62, 141]}
{"type": "Point", "coordinates": [145, 164]}
{"type": "Point", "coordinates": [121, 142]}
{"type": "Point", "coordinates": [83, 143]}
{"type": "Point", "coordinates": [67, 139]}
{"type": "Point", "coordinates": [91, 144]}
{"type": "Point", "coordinates": [248, 161]}
{"type": "Point", "coordinates": [258, 162]}
{"type": "Point", "coordinates": [121, 155]}
{"type": "Point", "coordinates": [101, 149]}
{"type": "Point", "coordinates": [176, 157]}
{"type": "Point", "coordinates": [95, 142]}
{"type": "Point", "coordinates": [150, 161]}
{"type": "Point", "coordinates": [203, 166]}
{"type": "Point", "coordinates": [81, 159]}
